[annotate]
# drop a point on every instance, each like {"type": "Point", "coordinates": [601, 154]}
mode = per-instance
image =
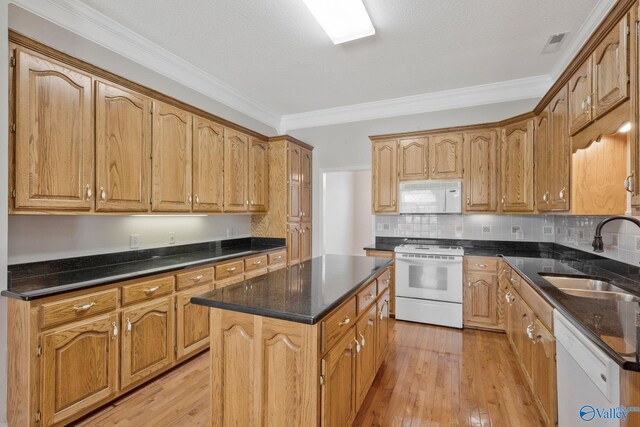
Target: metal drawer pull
{"type": "Point", "coordinates": [197, 278]}
{"type": "Point", "coordinates": [83, 308]}
{"type": "Point", "coordinates": [628, 182]}
{"type": "Point", "coordinates": [278, 257]}
{"type": "Point", "coordinates": [481, 265]}
{"type": "Point", "coordinates": [257, 262]}
{"type": "Point", "coordinates": [368, 297]}
{"type": "Point", "coordinates": [151, 291]}
{"type": "Point", "coordinates": [346, 321]}
{"type": "Point", "coordinates": [115, 330]}
{"type": "Point", "coordinates": [361, 339]}
{"type": "Point", "coordinates": [232, 269]}
{"type": "Point", "coordinates": [604, 377]}
{"type": "Point", "coordinates": [128, 331]}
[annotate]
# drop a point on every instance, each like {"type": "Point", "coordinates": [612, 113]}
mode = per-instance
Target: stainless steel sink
{"type": "Point", "coordinates": [588, 287]}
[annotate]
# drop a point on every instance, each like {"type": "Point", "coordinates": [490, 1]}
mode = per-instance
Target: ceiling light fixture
{"type": "Point", "coordinates": [625, 127]}
{"type": "Point", "coordinates": [342, 20]}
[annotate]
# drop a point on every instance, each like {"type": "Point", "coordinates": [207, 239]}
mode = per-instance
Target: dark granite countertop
{"type": "Point", "coordinates": [42, 279]}
{"type": "Point", "coordinates": [611, 325]}
{"type": "Point", "coordinates": [302, 293]}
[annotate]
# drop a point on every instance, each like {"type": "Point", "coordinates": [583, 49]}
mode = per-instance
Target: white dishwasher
{"type": "Point", "coordinates": [588, 379]}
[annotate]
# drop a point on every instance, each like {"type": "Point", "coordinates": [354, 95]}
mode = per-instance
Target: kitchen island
{"type": "Point", "coordinates": [298, 346]}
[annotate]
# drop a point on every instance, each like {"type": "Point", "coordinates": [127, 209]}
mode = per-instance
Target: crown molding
{"type": "Point", "coordinates": [511, 90]}
{"type": "Point", "coordinates": [588, 27]}
{"type": "Point", "coordinates": [88, 23]}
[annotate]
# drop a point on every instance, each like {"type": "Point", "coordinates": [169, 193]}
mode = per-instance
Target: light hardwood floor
{"type": "Point", "coordinates": [433, 376]}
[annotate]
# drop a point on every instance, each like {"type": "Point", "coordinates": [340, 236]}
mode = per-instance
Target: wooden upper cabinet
{"type": "Point", "coordinates": [147, 340]}
{"type": "Point", "coordinates": [385, 176]}
{"type": "Point", "coordinates": [171, 163]}
{"type": "Point", "coordinates": [236, 152]}
{"type": "Point", "coordinates": [542, 153]}
{"type": "Point", "coordinates": [445, 156]}
{"type": "Point", "coordinates": [413, 159]}
{"type": "Point", "coordinates": [123, 149]}
{"type": "Point", "coordinates": [580, 97]}
{"type": "Point", "coordinates": [610, 69]}
{"type": "Point", "coordinates": [560, 153]}
{"type": "Point", "coordinates": [306, 168]}
{"type": "Point", "coordinates": [69, 383]}
{"type": "Point", "coordinates": [481, 171]}
{"type": "Point", "coordinates": [516, 167]}
{"type": "Point", "coordinates": [54, 145]}
{"type": "Point", "coordinates": [258, 175]}
{"type": "Point", "coordinates": [294, 179]}
{"type": "Point", "coordinates": [208, 164]}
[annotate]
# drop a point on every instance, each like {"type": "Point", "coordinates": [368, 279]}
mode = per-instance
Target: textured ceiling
{"type": "Point", "coordinates": [276, 53]}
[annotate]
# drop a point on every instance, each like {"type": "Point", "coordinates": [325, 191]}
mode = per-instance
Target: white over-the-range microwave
{"type": "Point", "coordinates": [427, 197]}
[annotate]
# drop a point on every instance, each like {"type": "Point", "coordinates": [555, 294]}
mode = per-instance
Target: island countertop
{"type": "Point", "coordinates": [302, 293]}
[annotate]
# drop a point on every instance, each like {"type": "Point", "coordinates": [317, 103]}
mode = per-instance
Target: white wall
{"type": "Point", "coordinates": [348, 146]}
{"type": "Point", "coordinates": [347, 223]}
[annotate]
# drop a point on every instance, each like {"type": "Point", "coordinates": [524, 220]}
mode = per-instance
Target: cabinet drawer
{"type": "Point", "coordinates": [366, 296]}
{"type": "Point", "coordinates": [255, 273]}
{"type": "Point", "coordinates": [229, 269]}
{"type": "Point", "coordinates": [73, 309]}
{"type": "Point", "coordinates": [542, 309]}
{"type": "Point", "coordinates": [474, 263]}
{"type": "Point", "coordinates": [255, 263]}
{"type": "Point", "coordinates": [277, 258]}
{"type": "Point", "coordinates": [147, 290]}
{"type": "Point", "coordinates": [203, 276]}
{"type": "Point", "coordinates": [231, 281]}
{"type": "Point", "coordinates": [337, 323]}
{"type": "Point", "coordinates": [384, 280]}
{"type": "Point", "coordinates": [514, 279]}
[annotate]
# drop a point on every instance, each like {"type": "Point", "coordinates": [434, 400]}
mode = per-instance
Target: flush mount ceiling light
{"type": "Point", "coordinates": [342, 20]}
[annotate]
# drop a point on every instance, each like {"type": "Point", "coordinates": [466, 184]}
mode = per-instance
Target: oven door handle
{"type": "Point", "coordinates": [426, 261]}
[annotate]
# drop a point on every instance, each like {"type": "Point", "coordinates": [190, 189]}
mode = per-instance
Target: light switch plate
{"type": "Point", "coordinates": [134, 241]}
{"type": "Point", "coordinates": [637, 243]}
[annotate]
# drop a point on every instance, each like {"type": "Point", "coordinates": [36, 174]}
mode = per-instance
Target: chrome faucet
{"type": "Point", "coordinates": [597, 239]}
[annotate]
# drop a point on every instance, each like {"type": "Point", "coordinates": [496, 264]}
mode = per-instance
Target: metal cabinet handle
{"type": "Point", "coordinates": [530, 329]}
{"type": "Point", "coordinates": [247, 201]}
{"type": "Point", "coordinates": [357, 345]}
{"type": "Point", "coordinates": [83, 308]}
{"type": "Point", "coordinates": [232, 269]}
{"type": "Point", "coordinates": [128, 331]}
{"type": "Point", "coordinates": [481, 265]}
{"type": "Point", "coordinates": [507, 297]}
{"type": "Point", "coordinates": [361, 339]}
{"type": "Point", "coordinates": [589, 100]}
{"type": "Point", "coordinates": [103, 195]}
{"type": "Point", "coordinates": [257, 262]}
{"type": "Point", "coordinates": [628, 182]}
{"type": "Point", "coordinates": [278, 257]}
{"type": "Point", "coordinates": [346, 321]}
{"type": "Point", "coordinates": [393, 203]}
{"type": "Point", "coordinates": [115, 330]}
{"type": "Point", "coordinates": [604, 377]}
{"type": "Point", "coordinates": [197, 200]}
{"type": "Point", "coordinates": [433, 168]}
{"type": "Point", "coordinates": [561, 194]}
{"type": "Point", "coordinates": [545, 197]}
{"type": "Point", "coordinates": [151, 291]}
{"type": "Point", "coordinates": [197, 278]}
{"type": "Point", "coordinates": [468, 201]}
{"type": "Point", "coordinates": [503, 199]}
{"type": "Point", "coordinates": [89, 192]}
{"type": "Point", "coordinates": [425, 169]}
{"type": "Point", "coordinates": [584, 105]}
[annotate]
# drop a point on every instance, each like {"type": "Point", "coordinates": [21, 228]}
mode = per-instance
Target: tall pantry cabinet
{"type": "Point", "coordinates": [290, 198]}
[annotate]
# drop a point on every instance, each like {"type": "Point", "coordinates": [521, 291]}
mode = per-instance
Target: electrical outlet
{"type": "Point", "coordinates": [486, 229]}
{"type": "Point", "coordinates": [134, 241]}
{"type": "Point", "coordinates": [547, 230]}
{"type": "Point", "coordinates": [614, 240]}
{"type": "Point", "coordinates": [516, 229]}
{"type": "Point", "coordinates": [172, 238]}
{"type": "Point", "coordinates": [229, 231]}
{"type": "Point", "coordinates": [637, 243]}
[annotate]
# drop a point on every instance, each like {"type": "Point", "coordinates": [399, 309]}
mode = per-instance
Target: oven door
{"type": "Point", "coordinates": [432, 277]}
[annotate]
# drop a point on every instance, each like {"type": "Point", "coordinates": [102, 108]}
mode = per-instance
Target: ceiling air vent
{"type": "Point", "coordinates": [554, 42]}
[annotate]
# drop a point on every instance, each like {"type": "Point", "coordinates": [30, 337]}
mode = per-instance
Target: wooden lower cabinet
{"type": "Point", "coordinates": [366, 359]}
{"type": "Point", "coordinates": [339, 386]}
{"type": "Point", "coordinates": [147, 340]}
{"type": "Point", "coordinates": [69, 383]}
{"type": "Point", "coordinates": [392, 278]}
{"type": "Point", "coordinates": [482, 294]}
{"type": "Point", "coordinates": [544, 372]}
{"type": "Point", "coordinates": [524, 341]}
{"type": "Point", "coordinates": [382, 327]}
{"type": "Point", "coordinates": [192, 324]}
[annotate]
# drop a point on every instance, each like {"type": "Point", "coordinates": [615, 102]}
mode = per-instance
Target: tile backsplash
{"type": "Point", "coordinates": [621, 238]}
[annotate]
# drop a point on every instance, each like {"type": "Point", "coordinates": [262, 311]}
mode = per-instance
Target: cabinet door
{"type": "Point", "coordinates": [123, 149]}
{"type": "Point", "coordinates": [544, 373]}
{"type": "Point", "coordinates": [517, 167]}
{"type": "Point", "coordinates": [70, 383]}
{"type": "Point", "coordinates": [480, 300]}
{"type": "Point", "coordinates": [236, 162]}
{"type": "Point", "coordinates": [147, 340]}
{"type": "Point", "coordinates": [580, 97]}
{"type": "Point", "coordinates": [525, 339]}
{"type": "Point", "coordinates": [382, 328]}
{"type": "Point", "coordinates": [305, 204]}
{"type": "Point", "coordinates": [294, 242]}
{"type": "Point", "coordinates": [366, 360]}
{"type": "Point", "coordinates": [610, 70]}
{"type": "Point", "coordinates": [413, 155]}
{"type": "Point", "coordinates": [445, 156]}
{"type": "Point", "coordinates": [258, 175]}
{"type": "Point", "coordinates": [294, 173]}
{"type": "Point", "coordinates": [54, 135]}
{"type": "Point", "coordinates": [306, 242]}
{"type": "Point", "coordinates": [481, 171]}
{"type": "Point", "coordinates": [192, 323]}
{"type": "Point", "coordinates": [338, 392]}
{"type": "Point", "coordinates": [306, 168]}
{"type": "Point", "coordinates": [512, 308]}
{"type": "Point", "coordinates": [543, 150]}
{"type": "Point", "coordinates": [171, 146]}
{"type": "Point", "coordinates": [208, 162]}
{"type": "Point", "coordinates": [385, 179]}
{"type": "Point", "coordinates": [560, 153]}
